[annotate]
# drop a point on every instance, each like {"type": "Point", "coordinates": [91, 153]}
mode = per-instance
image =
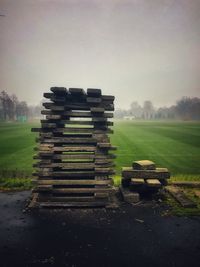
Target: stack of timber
{"type": "Point", "coordinates": [143, 176]}
{"type": "Point", "coordinates": [74, 165]}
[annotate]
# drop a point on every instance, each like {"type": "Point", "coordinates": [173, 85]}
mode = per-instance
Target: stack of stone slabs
{"type": "Point", "coordinates": [144, 175]}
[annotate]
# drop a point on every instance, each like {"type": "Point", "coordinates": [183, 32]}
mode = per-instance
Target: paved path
{"type": "Point", "coordinates": [130, 236]}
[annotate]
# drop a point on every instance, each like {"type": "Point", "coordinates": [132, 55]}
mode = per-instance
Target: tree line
{"type": "Point", "coordinates": [11, 109]}
{"type": "Point", "coordinates": [186, 108]}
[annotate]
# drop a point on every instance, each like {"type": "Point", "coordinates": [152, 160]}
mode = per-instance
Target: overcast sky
{"type": "Point", "coordinates": [135, 50]}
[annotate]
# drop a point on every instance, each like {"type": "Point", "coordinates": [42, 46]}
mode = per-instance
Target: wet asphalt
{"type": "Point", "coordinates": [129, 236]}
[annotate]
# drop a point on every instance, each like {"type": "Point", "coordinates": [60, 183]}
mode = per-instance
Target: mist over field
{"type": "Point", "coordinates": [136, 50]}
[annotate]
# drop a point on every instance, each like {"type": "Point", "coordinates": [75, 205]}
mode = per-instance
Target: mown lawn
{"type": "Point", "coordinates": [16, 149]}
{"type": "Point", "coordinates": [175, 145]}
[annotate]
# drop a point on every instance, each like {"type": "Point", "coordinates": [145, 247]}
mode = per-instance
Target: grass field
{"type": "Point", "coordinates": [175, 145]}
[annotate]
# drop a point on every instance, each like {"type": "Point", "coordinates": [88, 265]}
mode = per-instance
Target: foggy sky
{"type": "Point", "coordinates": [136, 50]}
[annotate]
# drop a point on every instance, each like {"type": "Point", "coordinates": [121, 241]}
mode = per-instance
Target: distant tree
{"type": "Point", "coordinates": [136, 110]}
{"type": "Point", "coordinates": [188, 108]}
{"type": "Point", "coordinates": [148, 110]}
{"type": "Point", "coordinates": [120, 113]}
{"type": "Point", "coordinates": [35, 111]}
{"type": "Point", "coordinates": [6, 105]}
{"type": "Point", "coordinates": [22, 109]}
{"type": "Point", "coordinates": [11, 108]}
{"type": "Point", "coordinates": [15, 103]}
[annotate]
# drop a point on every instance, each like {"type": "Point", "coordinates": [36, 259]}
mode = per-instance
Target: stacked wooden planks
{"type": "Point", "coordinates": [74, 160]}
{"type": "Point", "coordinates": [143, 175]}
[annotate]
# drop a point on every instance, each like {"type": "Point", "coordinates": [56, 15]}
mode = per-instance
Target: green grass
{"type": "Point", "coordinates": [175, 145]}
{"type": "Point", "coordinates": [16, 149]}
{"type": "Point", "coordinates": [15, 184]}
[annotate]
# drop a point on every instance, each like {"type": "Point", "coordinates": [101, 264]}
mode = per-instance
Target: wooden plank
{"type": "Point", "coordinates": [180, 196]}
{"type": "Point", "coordinates": [53, 106]}
{"type": "Point", "coordinates": [58, 90]}
{"type": "Point", "coordinates": [159, 173]}
{"type": "Point", "coordinates": [62, 164]}
{"type": "Point", "coordinates": [106, 145]}
{"type": "Point", "coordinates": [48, 125]}
{"type": "Point", "coordinates": [40, 130]}
{"type": "Point", "coordinates": [101, 138]}
{"type": "Point", "coordinates": [45, 160]}
{"type": "Point", "coordinates": [43, 188]}
{"type": "Point", "coordinates": [80, 190]}
{"type": "Point", "coordinates": [66, 174]}
{"type": "Point", "coordinates": [48, 134]}
{"type": "Point", "coordinates": [101, 119]}
{"type": "Point", "coordinates": [106, 165]}
{"type": "Point", "coordinates": [52, 112]}
{"type": "Point", "coordinates": [53, 117]}
{"type": "Point", "coordinates": [84, 156]}
{"type": "Point", "coordinates": [50, 189]}
{"type": "Point", "coordinates": [70, 166]}
{"type": "Point", "coordinates": [81, 130]}
{"type": "Point", "coordinates": [97, 110]}
{"type": "Point", "coordinates": [75, 135]}
{"type": "Point", "coordinates": [45, 153]}
{"type": "Point", "coordinates": [101, 195]}
{"type": "Point", "coordinates": [75, 148]}
{"type": "Point", "coordinates": [94, 92]}
{"type": "Point", "coordinates": [83, 106]}
{"type": "Point", "coordinates": [153, 182]}
{"type": "Point", "coordinates": [51, 198]}
{"type": "Point", "coordinates": [81, 122]}
{"type": "Point", "coordinates": [86, 114]}
{"type": "Point", "coordinates": [46, 146]}
{"type": "Point", "coordinates": [191, 184]}
{"type": "Point", "coordinates": [104, 170]}
{"type": "Point", "coordinates": [144, 165]}
{"type": "Point", "coordinates": [58, 99]}
{"type": "Point", "coordinates": [72, 204]}
{"type": "Point", "coordinates": [137, 181]}
{"type": "Point", "coordinates": [95, 100]}
{"type": "Point", "coordinates": [76, 106]}
{"type": "Point", "coordinates": [74, 156]}
{"type": "Point", "coordinates": [108, 98]}
{"type": "Point", "coordinates": [68, 140]}
{"type": "Point", "coordinates": [77, 91]}
{"type": "Point", "coordinates": [47, 112]}
{"type": "Point", "coordinates": [73, 182]}
{"type": "Point", "coordinates": [104, 160]}
{"type": "Point", "coordinates": [42, 149]}
{"type": "Point", "coordinates": [48, 95]}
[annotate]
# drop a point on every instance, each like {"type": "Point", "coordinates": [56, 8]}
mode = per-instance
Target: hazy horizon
{"type": "Point", "coordinates": [136, 50]}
